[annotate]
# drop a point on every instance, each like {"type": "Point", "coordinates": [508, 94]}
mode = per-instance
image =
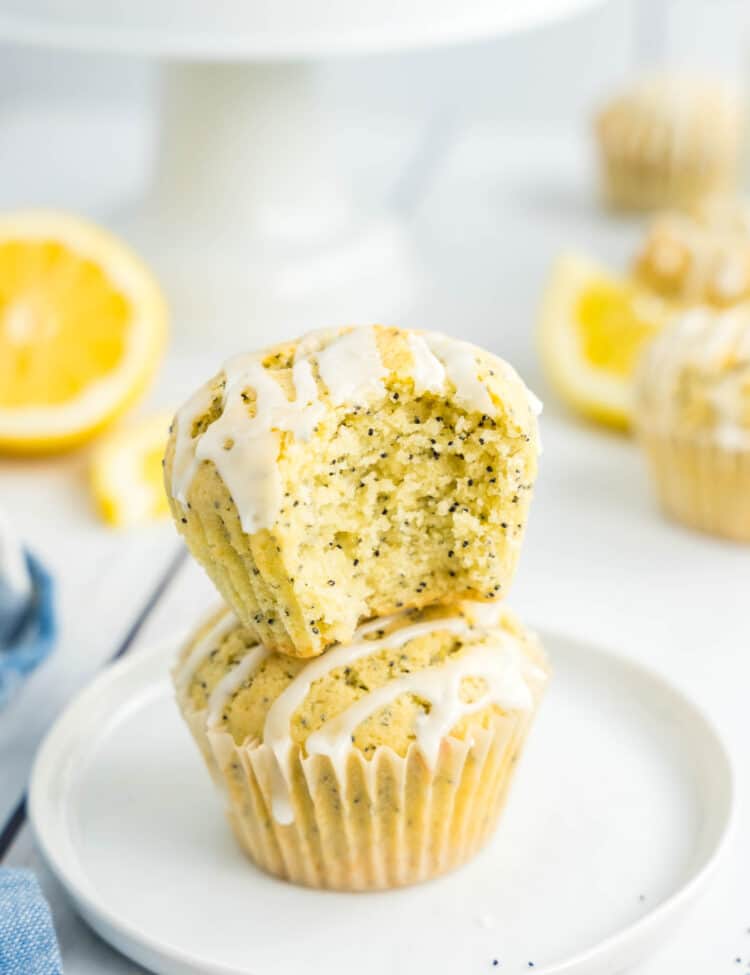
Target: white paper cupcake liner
{"type": "Point", "coordinates": [703, 485]}
{"type": "Point", "coordinates": [382, 822]}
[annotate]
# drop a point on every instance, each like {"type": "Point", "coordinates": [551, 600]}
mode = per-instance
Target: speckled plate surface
{"type": "Point", "coordinates": [621, 808]}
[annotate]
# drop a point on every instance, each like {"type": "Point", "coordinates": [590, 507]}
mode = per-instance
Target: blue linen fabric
{"type": "Point", "coordinates": [27, 938]}
{"type": "Point", "coordinates": [32, 638]}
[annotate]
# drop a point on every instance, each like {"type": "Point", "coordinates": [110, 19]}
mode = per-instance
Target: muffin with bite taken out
{"type": "Point", "coordinates": [353, 473]}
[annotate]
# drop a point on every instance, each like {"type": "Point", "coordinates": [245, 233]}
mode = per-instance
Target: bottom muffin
{"type": "Point", "coordinates": [385, 761]}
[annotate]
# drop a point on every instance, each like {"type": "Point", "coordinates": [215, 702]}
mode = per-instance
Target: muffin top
{"type": "Point", "coordinates": [724, 213]}
{"type": "Point", "coordinates": [697, 259]}
{"type": "Point", "coordinates": [694, 379]}
{"type": "Point", "coordinates": [409, 679]}
{"type": "Point", "coordinates": [245, 418]}
{"type": "Point", "coordinates": [668, 118]}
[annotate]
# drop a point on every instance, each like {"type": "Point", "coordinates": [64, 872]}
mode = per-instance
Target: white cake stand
{"type": "Point", "coordinates": [249, 221]}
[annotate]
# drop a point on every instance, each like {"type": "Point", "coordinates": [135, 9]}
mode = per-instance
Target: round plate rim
{"type": "Point", "coordinates": [105, 920]}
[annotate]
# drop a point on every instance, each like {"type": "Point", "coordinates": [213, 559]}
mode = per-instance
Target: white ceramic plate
{"type": "Point", "coordinates": [622, 805]}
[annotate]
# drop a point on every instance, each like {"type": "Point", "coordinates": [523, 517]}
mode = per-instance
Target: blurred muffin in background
{"type": "Point", "coordinates": [668, 141]}
{"type": "Point", "coordinates": [727, 213]}
{"type": "Point", "coordinates": [692, 415]}
{"type": "Point", "coordinates": [386, 761]}
{"type": "Point", "coordinates": [694, 260]}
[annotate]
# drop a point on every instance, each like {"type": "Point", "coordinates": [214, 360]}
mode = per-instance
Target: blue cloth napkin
{"type": "Point", "coordinates": [27, 631]}
{"type": "Point", "coordinates": [27, 938]}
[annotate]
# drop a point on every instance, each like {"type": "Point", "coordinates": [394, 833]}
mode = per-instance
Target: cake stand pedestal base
{"type": "Point", "coordinates": [250, 223]}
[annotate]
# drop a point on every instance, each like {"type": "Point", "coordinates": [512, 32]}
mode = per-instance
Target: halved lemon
{"type": "Point", "coordinates": [82, 329]}
{"type": "Point", "coordinates": [126, 472]}
{"type": "Point", "coordinates": [594, 325]}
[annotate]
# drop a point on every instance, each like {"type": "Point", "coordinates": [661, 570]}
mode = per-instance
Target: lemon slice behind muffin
{"type": "Point", "coordinates": [126, 474]}
{"type": "Point", "coordinates": [594, 324]}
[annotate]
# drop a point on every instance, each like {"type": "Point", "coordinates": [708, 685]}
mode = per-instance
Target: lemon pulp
{"type": "Point", "coordinates": [593, 327]}
{"type": "Point", "coordinates": [82, 328]}
{"type": "Point", "coordinates": [51, 299]}
{"type": "Point", "coordinates": [611, 332]}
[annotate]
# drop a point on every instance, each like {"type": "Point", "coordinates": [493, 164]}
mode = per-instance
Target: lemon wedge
{"type": "Point", "coordinates": [82, 330]}
{"type": "Point", "coordinates": [594, 325]}
{"type": "Point", "coordinates": [126, 472]}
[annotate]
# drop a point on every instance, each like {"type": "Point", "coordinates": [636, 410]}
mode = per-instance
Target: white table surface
{"type": "Point", "coordinates": [489, 211]}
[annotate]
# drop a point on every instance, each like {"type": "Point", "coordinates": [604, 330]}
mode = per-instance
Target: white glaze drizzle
{"type": "Point", "coordinates": [731, 277]}
{"type": "Point", "coordinates": [306, 390]}
{"type": "Point", "coordinates": [183, 464]}
{"type": "Point", "coordinates": [200, 652]}
{"type": "Point", "coordinates": [351, 367]}
{"type": "Point", "coordinates": [245, 449]}
{"type": "Point", "coordinates": [716, 347]}
{"type": "Point", "coordinates": [377, 623]}
{"type": "Point", "coordinates": [232, 681]}
{"type": "Point", "coordinates": [486, 615]}
{"type": "Point", "coordinates": [460, 365]}
{"type": "Point", "coordinates": [277, 728]}
{"type": "Point", "coordinates": [429, 371]}
{"type": "Point", "coordinates": [497, 664]}
{"type": "Point", "coordinates": [459, 360]}
{"type": "Point", "coordinates": [311, 342]}
{"type": "Point", "coordinates": [535, 404]}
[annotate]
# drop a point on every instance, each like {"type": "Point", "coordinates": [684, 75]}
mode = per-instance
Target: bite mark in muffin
{"type": "Point", "coordinates": [328, 494]}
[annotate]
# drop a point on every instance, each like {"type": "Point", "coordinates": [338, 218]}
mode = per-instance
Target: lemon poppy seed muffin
{"type": "Point", "coordinates": [350, 474]}
{"type": "Point", "coordinates": [693, 418]}
{"type": "Point", "coordinates": [692, 261]}
{"type": "Point", "coordinates": [383, 762]}
{"type": "Point", "coordinates": [668, 141]}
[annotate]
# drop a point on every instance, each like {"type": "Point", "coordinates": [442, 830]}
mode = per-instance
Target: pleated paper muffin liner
{"type": "Point", "coordinates": [381, 822]}
{"type": "Point", "coordinates": [702, 484]}
{"type": "Point", "coordinates": [388, 822]}
{"type": "Point", "coordinates": [649, 185]}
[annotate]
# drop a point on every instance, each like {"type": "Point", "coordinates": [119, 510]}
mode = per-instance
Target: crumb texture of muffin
{"type": "Point", "coordinates": [351, 474]}
{"type": "Point", "coordinates": [384, 762]}
{"type": "Point", "coordinates": [693, 418]}
{"type": "Point", "coordinates": [668, 141]}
